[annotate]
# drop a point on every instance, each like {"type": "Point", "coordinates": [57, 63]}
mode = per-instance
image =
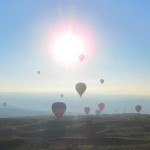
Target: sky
{"type": "Point", "coordinates": [120, 32]}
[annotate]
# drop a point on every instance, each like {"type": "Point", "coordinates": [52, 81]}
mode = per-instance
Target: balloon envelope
{"type": "Point", "coordinates": [101, 106]}
{"type": "Point", "coordinates": [101, 81]}
{"type": "Point", "coordinates": [81, 57]}
{"type": "Point", "coordinates": [4, 104]}
{"type": "Point", "coordinates": [38, 72]}
{"type": "Point", "coordinates": [138, 108]}
{"type": "Point", "coordinates": [58, 109]}
{"type": "Point", "coordinates": [80, 88]}
{"type": "Point", "coordinates": [86, 110]}
{"type": "Point", "coordinates": [61, 95]}
{"type": "Point", "coordinates": [97, 112]}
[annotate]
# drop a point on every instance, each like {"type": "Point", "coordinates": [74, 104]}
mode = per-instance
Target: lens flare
{"type": "Point", "coordinates": [67, 48]}
{"type": "Point", "coordinates": [68, 40]}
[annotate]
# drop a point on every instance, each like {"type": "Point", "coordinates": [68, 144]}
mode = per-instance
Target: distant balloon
{"type": "Point", "coordinates": [138, 108]}
{"type": "Point", "coordinates": [38, 72]}
{"type": "Point", "coordinates": [101, 106]}
{"type": "Point", "coordinates": [101, 81]}
{"type": "Point", "coordinates": [61, 95]}
{"type": "Point", "coordinates": [4, 104]}
{"type": "Point", "coordinates": [80, 88]}
{"type": "Point", "coordinates": [58, 109]}
{"type": "Point", "coordinates": [86, 110]}
{"type": "Point", "coordinates": [97, 112]}
{"type": "Point", "coordinates": [81, 57]}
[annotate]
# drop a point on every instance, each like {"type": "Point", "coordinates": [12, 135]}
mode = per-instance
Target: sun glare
{"type": "Point", "coordinates": [67, 48]}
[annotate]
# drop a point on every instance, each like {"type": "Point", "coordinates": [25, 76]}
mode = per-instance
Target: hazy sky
{"type": "Point", "coordinates": [121, 56]}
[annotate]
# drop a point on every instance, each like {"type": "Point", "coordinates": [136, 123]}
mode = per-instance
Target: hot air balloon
{"type": "Point", "coordinates": [58, 109]}
{"type": "Point", "coordinates": [101, 106]}
{"type": "Point", "coordinates": [101, 81]}
{"type": "Point", "coordinates": [80, 88]}
{"type": "Point", "coordinates": [138, 108]}
{"type": "Point", "coordinates": [81, 57]}
{"type": "Point", "coordinates": [97, 112]}
{"type": "Point", "coordinates": [4, 104]}
{"type": "Point", "coordinates": [61, 95]}
{"type": "Point", "coordinates": [86, 110]}
{"type": "Point", "coordinates": [38, 72]}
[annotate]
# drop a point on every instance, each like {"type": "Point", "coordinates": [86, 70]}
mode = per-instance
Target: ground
{"type": "Point", "coordinates": [106, 132]}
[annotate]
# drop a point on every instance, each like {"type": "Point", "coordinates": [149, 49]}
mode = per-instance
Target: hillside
{"type": "Point", "coordinates": [107, 132]}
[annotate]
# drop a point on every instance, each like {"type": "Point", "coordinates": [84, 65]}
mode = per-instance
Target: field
{"type": "Point", "coordinates": [107, 132]}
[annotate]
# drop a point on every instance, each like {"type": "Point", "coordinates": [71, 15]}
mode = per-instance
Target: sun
{"type": "Point", "coordinates": [67, 48]}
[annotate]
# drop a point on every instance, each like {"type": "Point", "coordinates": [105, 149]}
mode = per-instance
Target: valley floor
{"type": "Point", "coordinates": [107, 132]}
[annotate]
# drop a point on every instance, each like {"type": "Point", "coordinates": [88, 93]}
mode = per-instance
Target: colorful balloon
{"type": "Point", "coordinates": [58, 109]}
{"type": "Point", "coordinates": [101, 81]}
{"type": "Point", "coordinates": [80, 88]}
{"type": "Point", "coordinates": [97, 112]}
{"type": "Point", "coordinates": [101, 106]}
{"type": "Point", "coordinates": [138, 108]}
{"type": "Point", "coordinates": [86, 110]}
{"type": "Point", "coordinates": [81, 57]}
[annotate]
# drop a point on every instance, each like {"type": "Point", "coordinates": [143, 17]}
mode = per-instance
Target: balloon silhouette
{"type": "Point", "coordinates": [4, 104]}
{"type": "Point", "coordinates": [86, 110]}
{"type": "Point", "coordinates": [80, 88]}
{"type": "Point", "coordinates": [101, 106]}
{"type": "Point", "coordinates": [138, 108]}
{"type": "Point", "coordinates": [38, 72]}
{"type": "Point", "coordinates": [58, 109]}
{"type": "Point", "coordinates": [81, 57]}
{"type": "Point", "coordinates": [61, 95]}
{"type": "Point", "coordinates": [101, 81]}
{"type": "Point", "coordinates": [97, 112]}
